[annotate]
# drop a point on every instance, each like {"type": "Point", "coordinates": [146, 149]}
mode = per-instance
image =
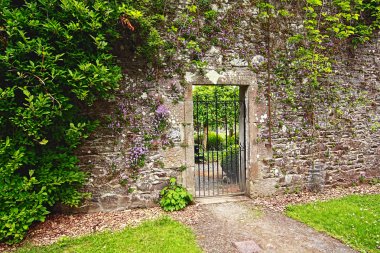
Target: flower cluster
{"type": "Point", "coordinates": [161, 118]}
{"type": "Point", "coordinates": [114, 125]}
{"type": "Point", "coordinates": [124, 176]}
{"type": "Point", "coordinates": [137, 153]}
{"type": "Point", "coordinates": [123, 109]}
{"type": "Point", "coordinates": [162, 113]}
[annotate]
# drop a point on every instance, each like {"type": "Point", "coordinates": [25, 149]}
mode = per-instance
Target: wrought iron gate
{"type": "Point", "coordinates": [220, 146]}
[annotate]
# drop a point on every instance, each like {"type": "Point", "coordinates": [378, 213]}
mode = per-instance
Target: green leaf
{"type": "Point", "coordinates": [44, 142]}
{"type": "Point", "coordinates": [315, 2]}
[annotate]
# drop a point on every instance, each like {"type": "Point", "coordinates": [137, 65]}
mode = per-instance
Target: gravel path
{"type": "Point", "coordinates": [227, 223]}
{"type": "Point", "coordinates": [262, 221]}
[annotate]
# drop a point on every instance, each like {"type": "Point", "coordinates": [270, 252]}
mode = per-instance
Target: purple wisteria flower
{"type": "Point", "coordinates": [123, 110]}
{"type": "Point", "coordinates": [138, 152]}
{"type": "Point", "coordinates": [162, 112]}
{"type": "Point", "coordinates": [165, 142]}
{"type": "Point", "coordinates": [330, 44]}
{"type": "Point", "coordinates": [114, 125]}
{"type": "Point", "coordinates": [124, 176]}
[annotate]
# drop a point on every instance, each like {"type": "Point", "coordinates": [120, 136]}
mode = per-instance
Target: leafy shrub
{"type": "Point", "coordinates": [54, 62]}
{"type": "Point", "coordinates": [198, 138]}
{"type": "Point", "coordinates": [214, 142]}
{"type": "Point", "coordinates": [26, 194]}
{"type": "Point", "coordinates": [232, 140]}
{"type": "Point", "coordinates": [174, 197]}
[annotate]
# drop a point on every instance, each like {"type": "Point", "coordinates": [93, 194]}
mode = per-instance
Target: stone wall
{"type": "Point", "coordinates": [344, 154]}
{"type": "Point", "coordinates": [341, 157]}
{"type": "Point", "coordinates": [106, 155]}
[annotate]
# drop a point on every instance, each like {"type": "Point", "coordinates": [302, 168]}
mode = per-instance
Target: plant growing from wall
{"type": "Point", "coordinates": [161, 118]}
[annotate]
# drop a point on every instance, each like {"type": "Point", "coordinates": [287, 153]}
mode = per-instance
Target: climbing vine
{"type": "Point", "coordinates": [300, 69]}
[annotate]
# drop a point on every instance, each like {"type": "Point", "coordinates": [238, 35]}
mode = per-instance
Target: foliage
{"type": "Point", "coordinates": [137, 156]}
{"type": "Point", "coordinates": [140, 18]}
{"type": "Point", "coordinates": [162, 235]}
{"type": "Point", "coordinates": [353, 219]}
{"type": "Point", "coordinates": [375, 127]}
{"type": "Point", "coordinates": [182, 168]}
{"type": "Point", "coordinates": [233, 139]}
{"type": "Point", "coordinates": [211, 154]}
{"type": "Point", "coordinates": [305, 63]}
{"type": "Point", "coordinates": [161, 117]}
{"type": "Point", "coordinates": [54, 63]}
{"type": "Point", "coordinates": [214, 141]}
{"type": "Point", "coordinates": [174, 197]}
{"type": "Point", "coordinates": [211, 112]}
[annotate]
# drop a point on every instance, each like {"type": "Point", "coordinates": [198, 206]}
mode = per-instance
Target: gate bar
{"type": "Point", "coordinates": [199, 144]}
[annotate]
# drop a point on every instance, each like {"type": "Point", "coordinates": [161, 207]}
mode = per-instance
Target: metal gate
{"type": "Point", "coordinates": [220, 146]}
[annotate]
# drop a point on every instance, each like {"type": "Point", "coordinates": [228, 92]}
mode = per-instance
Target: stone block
{"type": "Point", "coordinates": [174, 157]}
{"type": "Point", "coordinates": [124, 202]}
{"type": "Point", "coordinates": [247, 247]}
{"type": "Point", "coordinates": [109, 201]}
{"type": "Point", "coordinates": [264, 187]}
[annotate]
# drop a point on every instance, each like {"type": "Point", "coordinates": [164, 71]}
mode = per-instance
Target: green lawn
{"type": "Point", "coordinates": [354, 220]}
{"type": "Point", "coordinates": [163, 235]}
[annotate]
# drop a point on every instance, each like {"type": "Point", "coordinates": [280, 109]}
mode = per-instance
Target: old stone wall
{"type": "Point", "coordinates": [151, 118]}
{"type": "Point", "coordinates": [128, 124]}
{"type": "Point", "coordinates": [345, 153]}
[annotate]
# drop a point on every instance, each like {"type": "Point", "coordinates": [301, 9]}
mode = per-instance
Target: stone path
{"type": "Point", "coordinates": [240, 227]}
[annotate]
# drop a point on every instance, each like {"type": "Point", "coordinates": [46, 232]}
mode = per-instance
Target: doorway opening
{"type": "Point", "coordinates": [220, 145]}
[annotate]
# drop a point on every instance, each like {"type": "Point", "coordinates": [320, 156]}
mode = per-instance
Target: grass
{"type": "Point", "coordinates": [355, 220]}
{"type": "Point", "coordinates": [162, 235]}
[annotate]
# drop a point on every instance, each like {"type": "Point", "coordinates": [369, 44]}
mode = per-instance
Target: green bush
{"type": "Point", "coordinates": [198, 139]}
{"type": "Point", "coordinates": [232, 140]}
{"type": "Point", "coordinates": [26, 194]}
{"type": "Point", "coordinates": [215, 141]}
{"type": "Point", "coordinates": [54, 62]}
{"type": "Point", "coordinates": [174, 197]}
